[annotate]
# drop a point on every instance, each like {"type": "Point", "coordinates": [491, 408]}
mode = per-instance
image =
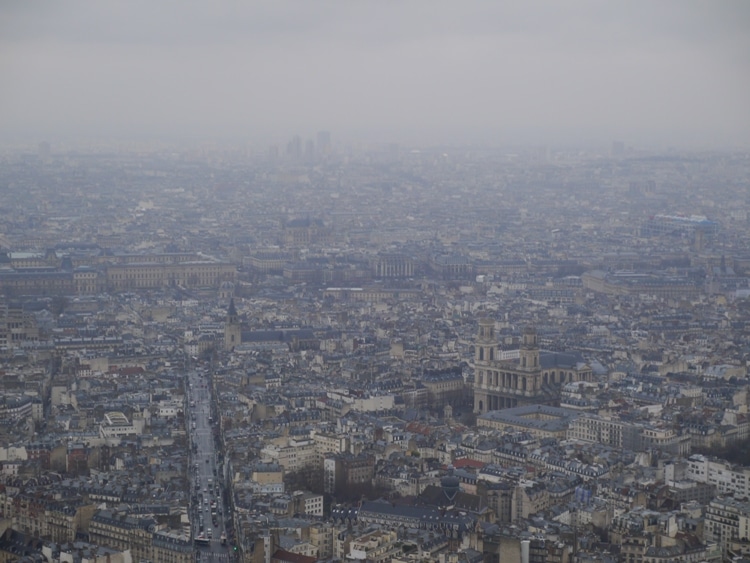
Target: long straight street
{"type": "Point", "coordinates": [208, 512]}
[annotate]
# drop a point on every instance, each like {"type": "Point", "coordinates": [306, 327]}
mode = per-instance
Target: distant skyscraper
{"type": "Point", "coordinates": [309, 150]}
{"type": "Point", "coordinates": [273, 153]}
{"type": "Point", "coordinates": [44, 150]}
{"type": "Point", "coordinates": [294, 148]}
{"type": "Point", "coordinates": [324, 143]}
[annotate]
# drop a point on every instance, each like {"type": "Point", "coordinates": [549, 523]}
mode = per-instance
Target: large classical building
{"type": "Point", "coordinates": [305, 231]}
{"type": "Point", "coordinates": [38, 274]}
{"type": "Point", "coordinates": [535, 377]}
{"type": "Point", "coordinates": [635, 436]}
{"type": "Point", "coordinates": [293, 338]}
{"type": "Point", "coordinates": [147, 275]}
{"type": "Point", "coordinates": [393, 266]}
{"type": "Point", "coordinates": [638, 283]}
{"type": "Point", "coordinates": [542, 421]}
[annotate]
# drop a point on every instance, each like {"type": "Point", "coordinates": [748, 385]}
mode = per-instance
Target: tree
{"type": "Point", "coordinates": [738, 452]}
{"type": "Point", "coordinates": [58, 305]}
{"type": "Point", "coordinates": [308, 478]}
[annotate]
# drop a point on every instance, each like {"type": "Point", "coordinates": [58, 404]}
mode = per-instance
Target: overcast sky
{"type": "Point", "coordinates": [422, 71]}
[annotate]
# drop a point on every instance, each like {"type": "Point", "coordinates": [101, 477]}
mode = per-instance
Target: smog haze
{"type": "Point", "coordinates": [654, 73]}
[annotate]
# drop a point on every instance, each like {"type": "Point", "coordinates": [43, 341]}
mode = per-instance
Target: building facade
{"type": "Point", "coordinates": [128, 277]}
{"type": "Point", "coordinates": [533, 378]}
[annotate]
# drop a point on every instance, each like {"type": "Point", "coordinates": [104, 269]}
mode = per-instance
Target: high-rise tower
{"type": "Point", "coordinates": [324, 143]}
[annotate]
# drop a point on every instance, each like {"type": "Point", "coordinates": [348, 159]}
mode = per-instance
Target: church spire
{"type": "Point", "coordinates": [232, 328]}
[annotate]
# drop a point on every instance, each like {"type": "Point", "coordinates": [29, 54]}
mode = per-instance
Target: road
{"type": "Point", "coordinates": [206, 480]}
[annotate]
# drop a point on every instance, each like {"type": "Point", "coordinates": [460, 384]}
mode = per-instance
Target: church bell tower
{"type": "Point", "coordinates": [232, 328]}
{"type": "Point", "coordinates": [530, 350]}
{"type": "Point", "coordinates": [484, 348]}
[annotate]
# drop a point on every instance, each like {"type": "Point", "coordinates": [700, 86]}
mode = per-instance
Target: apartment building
{"type": "Point", "coordinates": [123, 532]}
{"type": "Point", "coordinates": [626, 435]}
{"type": "Point", "coordinates": [169, 547]}
{"type": "Point", "coordinates": [341, 471]}
{"type": "Point", "coordinates": [727, 521]}
{"type": "Point", "coordinates": [727, 478]}
{"type": "Point", "coordinates": [326, 443]}
{"type": "Point", "coordinates": [307, 503]}
{"type": "Point", "coordinates": [296, 454]}
{"type": "Point", "coordinates": [376, 547]}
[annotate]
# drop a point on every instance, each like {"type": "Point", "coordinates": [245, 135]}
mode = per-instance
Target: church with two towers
{"type": "Point", "coordinates": [535, 377]}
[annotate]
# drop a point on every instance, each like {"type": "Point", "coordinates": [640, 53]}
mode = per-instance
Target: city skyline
{"type": "Point", "coordinates": [314, 357]}
{"type": "Point", "coordinates": [390, 282]}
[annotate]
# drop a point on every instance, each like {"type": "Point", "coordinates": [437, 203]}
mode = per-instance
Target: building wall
{"type": "Point", "coordinates": [126, 277]}
{"type": "Point", "coordinates": [726, 478]}
{"type": "Point", "coordinates": [727, 520]}
{"type": "Point", "coordinates": [500, 384]}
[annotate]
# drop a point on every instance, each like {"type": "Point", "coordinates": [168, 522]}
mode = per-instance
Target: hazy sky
{"type": "Point", "coordinates": [646, 72]}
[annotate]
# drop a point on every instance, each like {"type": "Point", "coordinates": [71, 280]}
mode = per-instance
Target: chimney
{"type": "Point", "coordinates": [525, 544]}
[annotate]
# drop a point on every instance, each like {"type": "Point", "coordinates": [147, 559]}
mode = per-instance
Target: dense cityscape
{"type": "Point", "coordinates": [328, 351]}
